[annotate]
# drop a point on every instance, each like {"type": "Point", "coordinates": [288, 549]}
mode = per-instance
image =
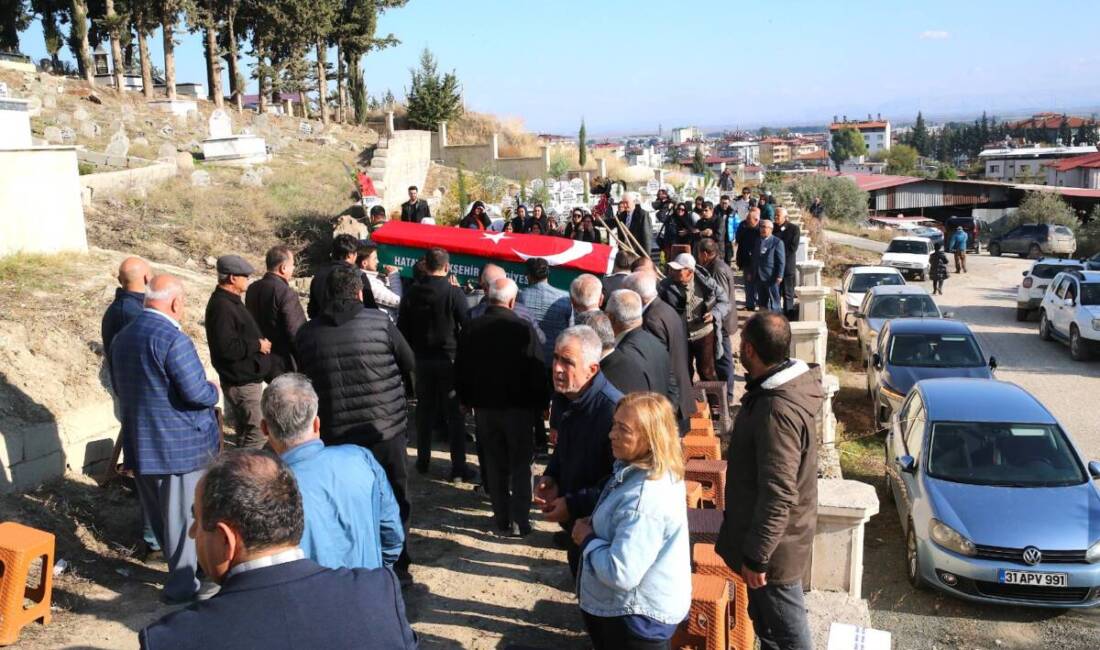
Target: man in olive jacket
{"type": "Point", "coordinates": [771, 489]}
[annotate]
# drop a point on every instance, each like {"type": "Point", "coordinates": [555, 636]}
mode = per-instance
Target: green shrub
{"type": "Point", "coordinates": [843, 199]}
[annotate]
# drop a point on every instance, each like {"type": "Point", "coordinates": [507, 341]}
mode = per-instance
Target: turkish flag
{"type": "Point", "coordinates": [580, 256]}
{"type": "Point", "coordinates": [366, 185]}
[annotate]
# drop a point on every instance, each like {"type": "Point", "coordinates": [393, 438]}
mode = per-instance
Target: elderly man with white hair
{"type": "Point", "coordinates": [585, 293]}
{"type": "Point", "coordinates": [624, 309]}
{"type": "Point", "coordinates": [490, 274]}
{"type": "Point", "coordinates": [636, 221]}
{"type": "Point", "coordinates": [501, 374]}
{"type": "Point", "coordinates": [662, 321]}
{"type": "Point", "coordinates": [621, 370]}
{"type": "Point", "coordinates": [581, 413]}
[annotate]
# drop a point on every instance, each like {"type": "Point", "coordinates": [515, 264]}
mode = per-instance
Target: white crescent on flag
{"type": "Point", "coordinates": [578, 250]}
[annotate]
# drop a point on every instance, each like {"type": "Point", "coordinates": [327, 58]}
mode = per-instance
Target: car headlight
{"type": "Point", "coordinates": [1096, 323]}
{"type": "Point", "coordinates": [1093, 554]}
{"type": "Point", "coordinates": [951, 539]}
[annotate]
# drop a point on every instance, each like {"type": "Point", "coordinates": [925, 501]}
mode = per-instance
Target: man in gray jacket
{"type": "Point", "coordinates": [703, 305]}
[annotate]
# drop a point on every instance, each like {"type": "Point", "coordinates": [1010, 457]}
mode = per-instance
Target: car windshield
{"type": "Point", "coordinates": [1062, 230]}
{"type": "Point", "coordinates": [935, 351]}
{"type": "Point", "coordinates": [908, 246]}
{"type": "Point", "coordinates": [1090, 293]}
{"type": "Point", "coordinates": [926, 232]}
{"type": "Point", "coordinates": [864, 282]}
{"type": "Point", "coordinates": [912, 306]}
{"type": "Point", "coordinates": [989, 453]}
{"type": "Point", "coordinates": [1048, 271]}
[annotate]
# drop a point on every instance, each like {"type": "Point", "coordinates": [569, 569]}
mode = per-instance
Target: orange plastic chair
{"type": "Point", "coordinates": [741, 634]}
{"type": "Point", "coordinates": [712, 474]}
{"type": "Point", "coordinates": [694, 492]}
{"type": "Point", "coordinates": [20, 546]}
{"type": "Point", "coordinates": [706, 624]}
{"type": "Point", "coordinates": [704, 447]}
{"type": "Point", "coordinates": [704, 524]}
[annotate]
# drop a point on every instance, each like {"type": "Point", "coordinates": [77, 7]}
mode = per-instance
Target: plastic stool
{"type": "Point", "coordinates": [718, 401]}
{"type": "Point", "coordinates": [712, 474]}
{"type": "Point", "coordinates": [700, 426]}
{"type": "Point", "coordinates": [694, 492]}
{"type": "Point", "coordinates": [706, 624]}
{"type": "Point", "coordinates": [704, 447]}
{"type": "Point", "coordinates": [20, 546]}
{"type": "Point", "coordinates": [707, 562]}
{"type": "Point", "coordinates": [704, 524]}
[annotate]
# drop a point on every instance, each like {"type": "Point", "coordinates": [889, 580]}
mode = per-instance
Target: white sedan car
{"type": "Point", "coordinates": [909, 255]}
{"type": "Point", "coordinates": [858, 281]}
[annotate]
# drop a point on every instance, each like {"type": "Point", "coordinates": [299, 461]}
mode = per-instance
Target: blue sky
{"type": "Point", "coordinates": [629, 66]}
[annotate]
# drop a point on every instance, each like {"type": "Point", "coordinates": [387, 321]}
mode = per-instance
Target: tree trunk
{"type": "Point", "coordinates": [356, 87]}
{"type": "Point", "coordinates": [146, 65]}
{"type": "Point", "coordinates": [341, 88]}
{"type": "Point", "coordinates": [84, 51]}
{"type": "Point", "coordinates": [168, 28]}
{"type": "Point", "coordinates": [215, 66]}
{"type": "Point", "coordinates": [260, 81]}
{"type": "Point", "coordinates": [116, 46]}
{"type": "Point", "coordinates": [322, 82]}
{"type": "Point", "coordinates": [235, 82]}
{"type": "Point", "coordinates": [304, 101]}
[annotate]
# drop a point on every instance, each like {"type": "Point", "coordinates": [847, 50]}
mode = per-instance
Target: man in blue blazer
{"type": "Point", "coordinates": [770, 262]}
{"type": "Point", "coordinates": [169, 431]}
{"type": "Point", "coordinates": [249, 520]}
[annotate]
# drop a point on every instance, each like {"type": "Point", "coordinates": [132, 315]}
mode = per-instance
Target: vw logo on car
{"type": "Point", "coordinates": [1033, 555]}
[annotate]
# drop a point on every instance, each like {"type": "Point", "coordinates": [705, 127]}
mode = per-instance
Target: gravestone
{"type": "Point", "coordinates": [64, 119]}
{"type": "Point", "coordinates": [251, 178]}
{"type": "Point", "coordinates": [652, 186]}
{"type": "Point", "coordinates": [68, 136]}
{"type": "Point", "coordinates": [220, 125]}
{"type": "Point", "coordinates": [536, 184]}
{"type": "Point", "coordinates": [305, 128]}
{"type": "Point", "coordinates": [4, 90]}
{"type": "Point", "coordinates": [616, 192]}
{"type": "Point", "coordinates": [577, 185]}
{"type": "Point", "coordinates": [89, 129]}
{"type": "Point", "coordinates": [34, 105]}
{"type": "Point", "coordinates": [568, 196]}
{"type": "Point", "coordinates": [166, 152]}
{"type": "Point", "coordinates": [119, 144]}
{"type": "Point", "coordinates": [52, 135]}
{"type": "Point", "coordinates": [139, 142]}
{"type": "Point", "coordinates": [200, 178]}
{"type": "Point", "coordinates": [712, 194]}
{"type": "Point", "coordinates": [49, 101]}
{"type": "Point", "coordinates": [127, 113]}
{"type": "Point", "coordinates": [167, 131]}
{"type": "Point", "coordinates": [185, 162]}
{"type": "Point", "coordinates": [80, 114]}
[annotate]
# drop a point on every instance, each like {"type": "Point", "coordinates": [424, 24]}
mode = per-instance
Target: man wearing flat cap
{"type": "Point", "coordinates": [238, 350]}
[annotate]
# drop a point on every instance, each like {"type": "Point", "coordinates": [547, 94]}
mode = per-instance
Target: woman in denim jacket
{"type": "Point", "coordinates": [635, 579]}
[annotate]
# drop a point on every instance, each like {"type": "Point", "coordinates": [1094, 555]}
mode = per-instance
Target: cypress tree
{"type": "Point", "coordinates": [582, 145]}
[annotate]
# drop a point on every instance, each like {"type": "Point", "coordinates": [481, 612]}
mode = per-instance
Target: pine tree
{"type": "Point", "coordinates": [13, 19]}
{"type": "Point", "coordinates": [698, 162]}
{"type": "Point", "coordinates": [918, 139]}
{"type": "Point", "coordinates": [354, 35]}
{"type": "Point", "coordinates": [432, 97]}
{"type": "Point", "coordinates": [582, 145]}
{"type": "Point", "coordinates": [461, 194]}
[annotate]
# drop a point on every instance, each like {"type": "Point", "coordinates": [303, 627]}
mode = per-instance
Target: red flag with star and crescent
{"type": "Point", "coordinates": [584, 257]}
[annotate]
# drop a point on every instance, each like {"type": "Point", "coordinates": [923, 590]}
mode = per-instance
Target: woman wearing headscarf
{"type": "Point", "coordinates": [634, 580]}
{"type": "Point", "coordinates": [937, 262]}
{"type": "Point", "coordinates": [538, 216]}
{"type": "Point", "coordinates": [574, 225]}
{"type": "Point", "coordinates": [519, 222]}
{"type": "Point", "coordinates": [587, 231]}
{"type": "Point", "coordinates": [683, 224]}
{"type": "Point", "coordinates": [476, 219]}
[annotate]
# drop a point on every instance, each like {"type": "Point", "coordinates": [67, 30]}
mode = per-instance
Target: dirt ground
{"type": "Point", "coordinates": [473, 589]}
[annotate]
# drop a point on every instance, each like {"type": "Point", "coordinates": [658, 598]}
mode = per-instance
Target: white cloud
{"type": "Point", "coordinates": [934, 35]}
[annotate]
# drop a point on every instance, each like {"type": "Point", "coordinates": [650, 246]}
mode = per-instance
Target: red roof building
{"type": "Point", "coordinates": [1079, 171]}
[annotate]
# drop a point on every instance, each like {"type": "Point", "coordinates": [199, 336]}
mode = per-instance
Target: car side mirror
{"type": "Point", "coordinates": [1025, 274]}
{"type": "Point", "coordinates": [851, 317]}
{"type": "Point", "coordinates": [908, 464]}
{"type": "Point", "coordinates": [876, 361]}
{"type": "Point", "coordinates": [1094, 469]}
{"type": "Point", "coordinates": [992, 363]}
{"type": "Point", "coordinates": [1068, 302]}
{"type": "Point", "coordinates": [948, 314]}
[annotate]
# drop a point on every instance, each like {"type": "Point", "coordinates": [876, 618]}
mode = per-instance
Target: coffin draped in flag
{"type": "Point", "coordinates": [402, 244]}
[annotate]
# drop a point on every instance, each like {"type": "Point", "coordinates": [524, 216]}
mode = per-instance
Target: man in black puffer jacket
{"type": "Point", "coordinates": [361, 368]}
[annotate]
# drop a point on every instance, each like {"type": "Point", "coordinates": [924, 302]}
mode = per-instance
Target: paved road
{"type": "Point", "coordinates": [855, 242]}
{"type": "Point", "coordinates": [985, 298]}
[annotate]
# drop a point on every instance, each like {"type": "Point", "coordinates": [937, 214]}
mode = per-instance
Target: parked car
{"type": "Point", "coordinates": [857, 281]}
{"type": "Point", "coordinates": [1092, 263]}
{"type": "Point", "coordinates": [908, 255]}
{"type": "Point", "coordinates": [971, 226]}
{"type": "Point", "coordinates": [1070, 312]}
{"type": "Point", "coordinates": [911, 349]}
{"type": "Point", "coordinates": [1029, 295]}
{"type": "Point", "coordinates": [995, 502]}
{"type": "Point", "coordinates": [883, 303]}
{"type": "Point", "coordinates": [934, 235]}
{"type": "Point", "coordinates": [1035, 240]}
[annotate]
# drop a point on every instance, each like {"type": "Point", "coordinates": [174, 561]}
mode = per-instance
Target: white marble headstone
{"type": "Point", "coordinates": [568, 196]}
{"type": "Point", "coordinates": [577, 185]}
{"type": "Point", "coordinates": [536, 184]}
{"type": "Point", "coordinates": [220, 125]}
{"type": "Point", "coordinates": [3, 89]}
{"type": "Point", "coordinates": [652, 186]}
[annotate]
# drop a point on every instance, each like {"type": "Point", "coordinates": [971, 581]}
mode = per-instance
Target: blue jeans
{"type": "Point", "coordinates": [767, 295]}
{"type": "Point", "coordinates": [778, 614]}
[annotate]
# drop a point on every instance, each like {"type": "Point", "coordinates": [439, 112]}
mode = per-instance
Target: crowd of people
{"type": "Point", "coordinates": [309, 502]}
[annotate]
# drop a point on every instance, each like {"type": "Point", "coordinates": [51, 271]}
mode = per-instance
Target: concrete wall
{"type": "Point", "coordinates": [403, 160]}
{"type": "Point", "coordinates": [487, 156]}
{"type": "Point", "coordinates": [40, 201]}
{"type": "Point", "coordinates": [124, 180]}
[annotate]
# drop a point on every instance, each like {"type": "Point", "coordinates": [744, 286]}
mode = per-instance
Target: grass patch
{"type": "Point", "coordinates": [861, 459]}
{"type": "Point", "coordinates": [874, 234]}
{"type": "Point", "coordinates": [34, 271]}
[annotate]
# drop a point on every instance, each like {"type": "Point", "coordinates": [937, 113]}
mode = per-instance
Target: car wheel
{"type": "Point", "coordinates": [995, 250]}
{"type": "Point", "coordinates": [1034, 252]}
{"type": "Point", "coordinates": [1044, 327]}
{"type": "Point", "coordinates": [912, 559]}
{"type": "Point", "coordinates": [1022, 313]}
{"type": "Point", "coordinates": [1078, 347]}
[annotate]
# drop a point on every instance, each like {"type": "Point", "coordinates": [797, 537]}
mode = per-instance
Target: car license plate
{"type": "Point", "coordinates": [1031, 578]}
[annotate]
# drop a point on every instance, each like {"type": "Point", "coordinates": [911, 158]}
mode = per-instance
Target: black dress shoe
{"type": "Point", "coordinates": [515, 531]}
